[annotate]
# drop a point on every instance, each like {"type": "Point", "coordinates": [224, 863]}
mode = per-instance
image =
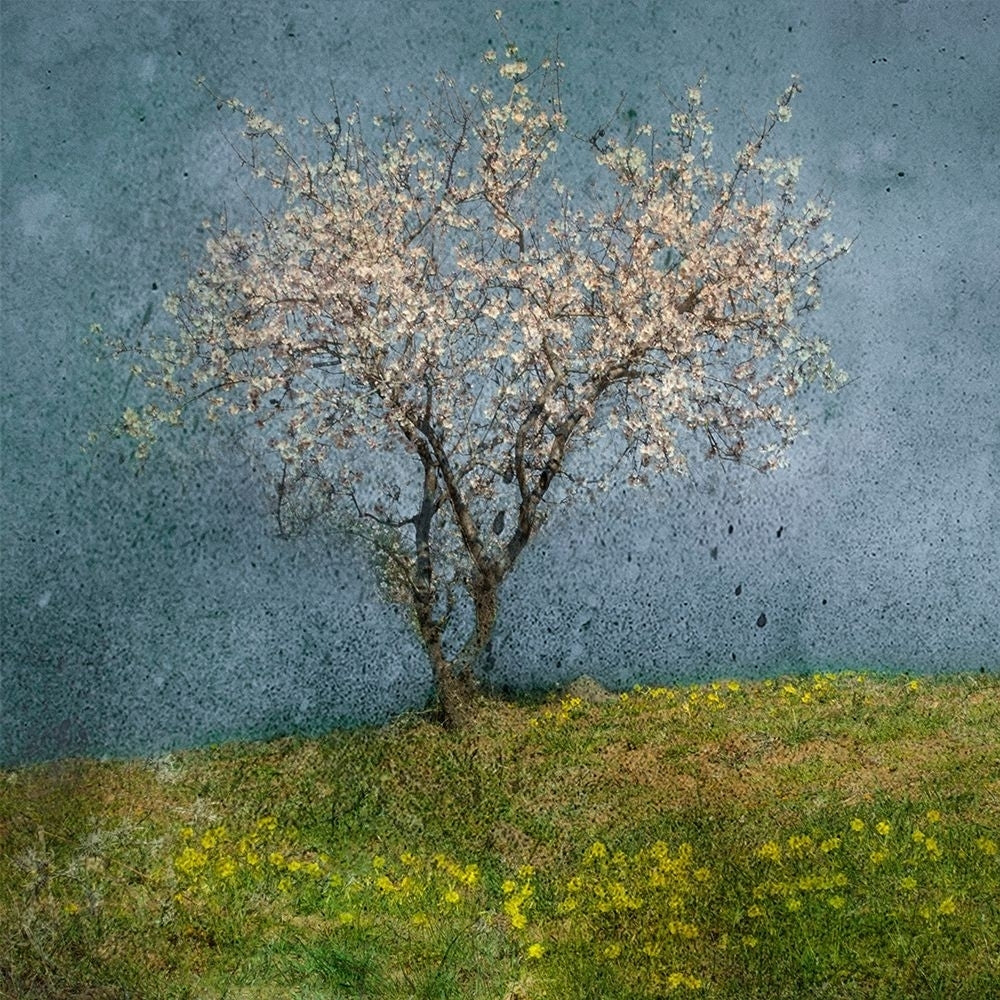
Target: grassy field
{"type": "Point", "coordinates": [829, 836]}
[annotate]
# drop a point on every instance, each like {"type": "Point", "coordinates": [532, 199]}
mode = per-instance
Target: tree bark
{"type": "Point", "coordinates": [457, 689]}
{"type": "Point", "coordinates": [457, 697]}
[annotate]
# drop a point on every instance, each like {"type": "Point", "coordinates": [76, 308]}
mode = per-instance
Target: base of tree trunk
{"type": "Point", "coordinates": [456, 700]}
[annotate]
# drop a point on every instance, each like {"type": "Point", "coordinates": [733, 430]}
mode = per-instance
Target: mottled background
{"type": "Point", "coordinates": [143, 612]}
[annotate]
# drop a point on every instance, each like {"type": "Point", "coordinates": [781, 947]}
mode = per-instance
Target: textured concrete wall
{"type": "Point", "coordinates": [144, 612]}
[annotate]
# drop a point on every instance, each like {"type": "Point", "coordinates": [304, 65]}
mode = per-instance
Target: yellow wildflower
{"type": "Point", "coordinates": [189, 861]}
{"type": "Point", "coordinates": [933, 816]}
{"type": "Point", "coordinates": [678, 979]}
{"type": "Point", "coordinates": [947, 906]}
{"type": "Point", "coordinates": [535, 950]}
{"type": "Point", "coordinates": [681, 929]}
{"type": "Point", "coordinates": [857, 825]}
{"type": "Point", "coordinates": [883, 828]}
{"type": "Point", "coordinates": [226, 868]}
{"type": "Point", "coordinates": [770, 851]}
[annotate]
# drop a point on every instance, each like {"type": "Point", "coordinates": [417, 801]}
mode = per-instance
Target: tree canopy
{"type": "Point", "coordinates": [428, 325]}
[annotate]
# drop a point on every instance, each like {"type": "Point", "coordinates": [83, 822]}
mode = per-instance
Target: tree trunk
{"type": "Point", "coordinates": [457, 696]}
{"type": "Point", "coordinates": [457, 688]}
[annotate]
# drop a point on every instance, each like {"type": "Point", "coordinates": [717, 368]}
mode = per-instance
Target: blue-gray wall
{"type": "Point", "coordinates": [144, 612]}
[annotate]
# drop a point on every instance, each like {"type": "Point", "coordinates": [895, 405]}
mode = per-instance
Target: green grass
{"type": "Point", "coordinates": [831, 837]}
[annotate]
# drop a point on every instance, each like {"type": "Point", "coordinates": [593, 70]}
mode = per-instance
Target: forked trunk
{"type": "Point", "coordinates": [457, 690]}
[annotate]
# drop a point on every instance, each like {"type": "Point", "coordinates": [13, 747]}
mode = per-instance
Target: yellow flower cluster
{"type": "Point", "coordinates": [410, 887]}
{"type": "Point", "coordinates": [987, 846]}
{"type": "Point", "coordinates": [711, 696]}
{"type": "Point", "coordinates": [645, 913]}
{"type": "Point", "coordinates": [569, 708]}
{"type": "Point", "coordinates": [519, 898]}
{"type": "Point", "coordinates": [819, 689]}
{"type": "Point", "coordinates": [212, 859]}
{"type": "Point", "coordinates": [801, 867]}
{"type": "Point", "coordinates": [636, 910]}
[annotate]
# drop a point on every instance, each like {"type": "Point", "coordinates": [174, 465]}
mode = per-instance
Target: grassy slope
{"type": "Point", "coordinates": [830, 836]}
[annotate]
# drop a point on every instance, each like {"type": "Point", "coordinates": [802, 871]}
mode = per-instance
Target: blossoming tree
{"type": "Point", "coordinates": [425, 325]}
